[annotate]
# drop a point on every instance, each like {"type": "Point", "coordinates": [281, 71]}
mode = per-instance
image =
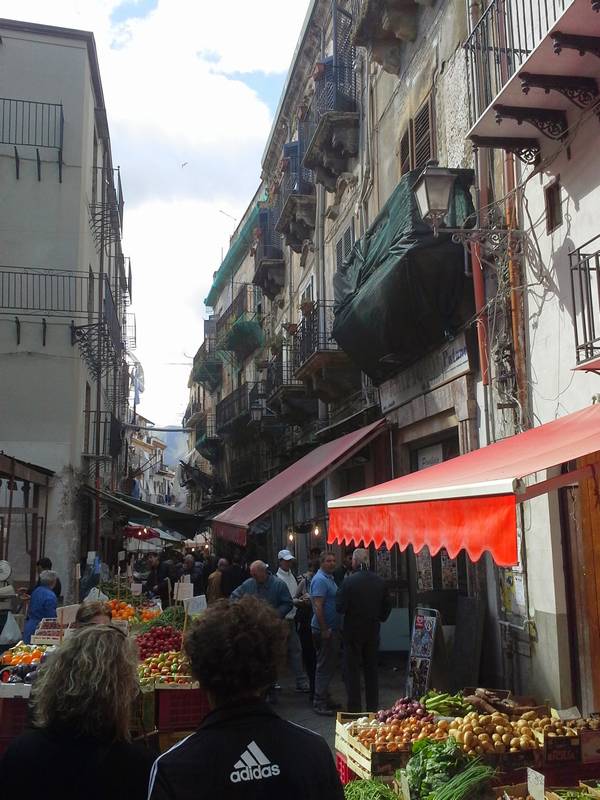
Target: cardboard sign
{"type": "Point", "coordinates": [91, 557]}
{"type": "Point", "coordinates": [184, 579]}
{"type": "Point", "coordinates": [562, 749]}
{"type": "Point", "coordinates": [136, 589]}
{"type": "Point", "coordinates": [184, 591]}
{"type": "Point", "coordinates": [67, 614]}
{"type": "Point", "coordinates": [536, 784]}
{"type": "Point", "coordinates": [195, 605]}
{"type": "Point", "coordinates": [77, 572]}
{"type": "Point", "coordinates": [565, 713]}
{"type": "Point", "coordinates": [121, 555]}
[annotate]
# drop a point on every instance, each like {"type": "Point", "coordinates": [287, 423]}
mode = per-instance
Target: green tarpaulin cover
{"type": "Point", "coordinates": [402, 291]}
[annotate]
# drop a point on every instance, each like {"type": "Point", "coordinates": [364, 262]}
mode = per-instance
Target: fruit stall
{"type": "Point", "coordinates": [473, 744]}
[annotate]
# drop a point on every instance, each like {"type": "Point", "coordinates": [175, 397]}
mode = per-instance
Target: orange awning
{"type": "Point", "coordinates": [469, 502]}
{"type": "Point", "coordinates": [233, 523]}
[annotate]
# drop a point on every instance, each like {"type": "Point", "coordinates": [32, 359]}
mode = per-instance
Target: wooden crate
{"type": "Point", "coordinates": [361, 760]}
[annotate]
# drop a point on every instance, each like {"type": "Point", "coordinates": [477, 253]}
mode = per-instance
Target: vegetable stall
{"type": "Point", "coordinates": [472, 744]}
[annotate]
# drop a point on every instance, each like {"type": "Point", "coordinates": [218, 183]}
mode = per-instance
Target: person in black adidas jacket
{"type": "Point", "coordinates": [243, 749]}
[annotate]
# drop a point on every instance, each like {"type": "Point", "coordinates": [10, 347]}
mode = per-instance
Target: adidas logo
{"type": "Point", "coordinates": [253, 766]}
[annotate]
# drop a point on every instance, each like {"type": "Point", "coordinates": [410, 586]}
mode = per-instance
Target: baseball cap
{"type": "Point", "coordinates": [285, 555]}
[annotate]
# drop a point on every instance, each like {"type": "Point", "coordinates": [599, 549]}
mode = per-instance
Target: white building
{"type": "Point", "coordinates": [64, 284]}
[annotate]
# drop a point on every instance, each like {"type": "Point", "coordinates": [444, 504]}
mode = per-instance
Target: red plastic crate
{"type": "Point", "coordinates": [344, 771]}
{"type": "Point", "coordinates": [180, 709]}
{"type": "Point", "coordinates": [13, 717]}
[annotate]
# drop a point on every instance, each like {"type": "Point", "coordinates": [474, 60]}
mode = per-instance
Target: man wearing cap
{"type": "Point", "coordinates": [285, 574]}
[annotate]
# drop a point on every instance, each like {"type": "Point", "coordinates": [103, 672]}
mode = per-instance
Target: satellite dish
{"type": "Point", "coordinates": [5, 570]}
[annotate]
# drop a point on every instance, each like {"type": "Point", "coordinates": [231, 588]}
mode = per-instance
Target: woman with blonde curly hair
{"type": "Point", "coordinates": [79, 746]}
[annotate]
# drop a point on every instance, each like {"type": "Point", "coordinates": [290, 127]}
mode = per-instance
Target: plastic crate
{"type": "Point", "coordinates": [344, 771]}
{"type": "Point", "coordinates": [13, 716]}
{"type": "Point", "coordinates": [180, 709]}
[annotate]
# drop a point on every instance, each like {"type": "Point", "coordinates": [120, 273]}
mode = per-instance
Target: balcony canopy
{"type": "Point", "coordinates": [469, 503]}
{"type": "Point", "coordinates": [233, 524]}
{"type": "Point", "coordinates": [539, 67]}
{"type": "Point", "coordinates": [401, 291]}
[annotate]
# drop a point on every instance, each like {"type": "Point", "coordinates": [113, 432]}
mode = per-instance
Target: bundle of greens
{"type": "Point", "coordinates": [432, 765]}
{"type": "Point", "coordinates": [445, 704]}
{"type": "Point", "coordinates": [368, 790]}
{"type": "Point", "coordinates": [173, 616]}
{"type": "Point", "coordinates": [465, 784]}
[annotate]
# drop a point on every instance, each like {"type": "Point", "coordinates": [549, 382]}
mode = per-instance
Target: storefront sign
{"type": "Point", "coordinates": [444, 365]}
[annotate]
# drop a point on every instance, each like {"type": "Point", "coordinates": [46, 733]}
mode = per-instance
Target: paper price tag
{"type": "Point", "coordinates": [536, 784]}
{"type": "Point", "coordinates": [136, 589]}
{"type": "Point", "coordinates": [67, 614]}
{"type": "Point", "coordinates": [91, 557]}
{"type": "Point", "coordinates": [184, 591]}
{"type": "Point", "coordinates": [195, 605]}
{"type": "Point", "coordinates": [121, 555]}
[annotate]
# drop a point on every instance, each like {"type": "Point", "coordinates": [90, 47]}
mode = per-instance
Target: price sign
{"type": "Point", "coordinates": [184, 591]}
{"type": "Point", "coordinates": [136, 589]}
{"type": "Point", "coordinates": [566, 713]}
{"type": "Point", "coordinates": [91, 557]}
{"type": "Point", "coordinates": [195, 605]}
{"type": "Point", "coordinates": [536, 784]}
{"type": "Point", "coordinates": [67, 614]}
{"type": "Point", "coordinates": [121, 555]}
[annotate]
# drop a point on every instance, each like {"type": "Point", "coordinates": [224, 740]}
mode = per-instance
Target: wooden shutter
{"type": "Point", "coordinates": [422, 135]}
{"type": "Point", "coordinates": [405, 152]}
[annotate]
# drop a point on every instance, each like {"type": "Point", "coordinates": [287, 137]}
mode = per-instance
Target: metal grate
{"type": "Point", "coordinates": [314, 333]}
{"type": "Point", "coordinates": [269, 245]}
{"type": "Point", "coordinates": [585, 296]}
{"type": "Point", "coordinates": [280, 371]}
{"type": "Point", "coordinates": [501, 41]}
{"type": "Point", "coordinates": [234, 406]}
{"type": "Point", "coordinates": [30, 123]}
{"type": "Point", "coordinates": [422, 125]}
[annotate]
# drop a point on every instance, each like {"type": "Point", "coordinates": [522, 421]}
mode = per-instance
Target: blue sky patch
{"type": "Point", "coordinates": [267, 87]}
{"type": "Point", "coordinates": [132, 9]}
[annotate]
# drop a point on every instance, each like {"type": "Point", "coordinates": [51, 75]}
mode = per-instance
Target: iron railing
{"type": "Point", "coordinates": [314, 333]}
{"type": "Point", "coordinates": [28, 123]}
{"type": "Point", "coordinates": [106, 216]}
{"type": "Point", "coordinates": [296, 178]}
{"type": "Point", "coordinates": [193, 408]}
{"type": "Point", "coordinates": [246, 301]}
{"type": "Point", "coordinates": [269, 246]}
{"type": "Point", "coordinates": [585, 296]}
{"type": "Point", "coordinates": [111, 441]}
{"type": "Point", "coordinates": [280, 371]}
{"type": "Point", "coordinates": [234, 406]}
{"type": "Point", "coordinates": [501, 41]}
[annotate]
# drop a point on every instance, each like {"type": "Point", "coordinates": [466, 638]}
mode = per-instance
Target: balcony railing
{"type": "Point", "coordinates": [234, 406]}
{"type": "Point", "coordinates": [110, 431]}
{"type": "Point", "coordinates": [501, 41]}
{"type": "Point", "coordinates": [280, 371]}
{"type": "Point", "coordinates": [269, 246]}
{"type": "Point", "coordinates": [585, 296]}
{"type": "Point", "coordinates": [106, 215]}
{"type": "Point", "coordinates": [192, 409]}
{"type": "Point", "coordinates": [246, 301]}
{"type": "Point", "coordinates": [296, 178]}
{"type": "Point", "coordinates": [314, 333]}
{"type": "Point", "coordinates": [26, 123]}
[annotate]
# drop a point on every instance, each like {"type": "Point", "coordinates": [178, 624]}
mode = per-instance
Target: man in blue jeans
{"type": "Point", "coordinates": [326, 627]}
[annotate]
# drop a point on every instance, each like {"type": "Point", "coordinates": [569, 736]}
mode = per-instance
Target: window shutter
{"type": "Point", "coordinates": [423, 143]}
{"type": "Point", "coordinates": [339, 253]}
{"type": "Point", "coordinates": [405, 152]}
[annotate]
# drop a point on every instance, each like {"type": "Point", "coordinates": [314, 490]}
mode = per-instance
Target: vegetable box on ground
{"type": "Point", "coordinates": [181, 710]}
{"type": "Point", "coordinates": [143, 712]}
{"type": "Point", "coordinates": [364, 762]}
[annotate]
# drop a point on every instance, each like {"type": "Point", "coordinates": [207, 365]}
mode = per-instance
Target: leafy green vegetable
{"type": "Point", "coordinates": [432, 765]}
{"type": "Point", "coordinates": [174, 616]}
{"type": "Point", "coordinates": [464, 784]}
{"type": "Point", "coordinates": [368, 790]}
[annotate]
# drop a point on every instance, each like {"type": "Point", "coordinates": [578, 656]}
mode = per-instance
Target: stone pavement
{"type": "Point", "coordinates": [296, 708]}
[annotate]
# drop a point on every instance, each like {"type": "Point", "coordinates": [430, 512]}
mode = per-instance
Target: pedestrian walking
{"type": "Point", "coordinates": [266, 587]}
{"type": "Point", "coordinates": [243, 749]}
{"type": "Point", "coordinates": [214, 584]}
{"type": "Point", "coordinates": [364, 601]}
{"type": "Point", "coordinates": [294, 648]}
{"type": "Point", "coordinates": [304, 614]}
{"type": "Point", "coordinates": [326, 624]}
{"type": "Point", "coordinates": [42, 604]}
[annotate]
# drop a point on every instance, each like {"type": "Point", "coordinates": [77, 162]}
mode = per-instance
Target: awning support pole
{"type": "Point", "coordinates": [558, 482]}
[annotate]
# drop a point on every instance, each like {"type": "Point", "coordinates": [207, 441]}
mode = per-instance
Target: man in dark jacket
{"type": "Point", "coordinates": [159, 579]}
{"type": "Point", "coordinates": [233, 576]}
{"type": "Point", "coordinates": [242, 748]}
{"type": "Point", "coordinates": [365, 602]}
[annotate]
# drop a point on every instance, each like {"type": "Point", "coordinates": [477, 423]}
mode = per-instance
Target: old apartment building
{"type": "Point", "coordinates": [65, 287]}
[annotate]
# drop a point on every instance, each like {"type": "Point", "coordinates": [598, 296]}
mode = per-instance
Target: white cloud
{"type": "Point", "coordinates": [173, 95]}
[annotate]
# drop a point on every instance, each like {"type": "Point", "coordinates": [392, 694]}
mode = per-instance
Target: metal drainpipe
{"type": "Point", "coordinates": [104, 173]}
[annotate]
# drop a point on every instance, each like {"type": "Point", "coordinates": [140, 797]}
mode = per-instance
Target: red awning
{"type": "Point", "coordinates": [468, 503]}
{"type": "Point", "coordinates": [233, 524]}
{"type": "Point", "coordinates": [588, 366]}
{"type": "Point", "coordinates": [142, 532]}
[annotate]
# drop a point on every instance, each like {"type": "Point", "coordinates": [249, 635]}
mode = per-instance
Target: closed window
{"type": "Point", "coordinates": [344, 245]}
{"type": "Point", "coordinates": [553, 202]}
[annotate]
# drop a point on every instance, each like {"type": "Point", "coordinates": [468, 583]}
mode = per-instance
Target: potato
{"type": "Point", "coordinates": [499, 747]}
{"type": "Point", "coordinates": [506, 739]}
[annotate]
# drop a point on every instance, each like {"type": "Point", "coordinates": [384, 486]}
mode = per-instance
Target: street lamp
{"type": "Point", "coordinates": [256, 412]}
{"type": "Point", "coordinates": [432, 193]}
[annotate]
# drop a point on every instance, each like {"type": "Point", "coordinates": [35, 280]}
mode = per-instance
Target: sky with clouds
{"type": "Point", "coordinates": [191, 87]}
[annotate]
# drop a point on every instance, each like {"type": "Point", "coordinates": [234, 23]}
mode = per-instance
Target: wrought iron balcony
{"type": "Point", "coordinates": [71, 295]}
{"type": "Point", "coordinates": [297, 192]}
{"type": "Point", "coordinates": [505, 35]}
{"type": "Point", "coordinates": [585, 297]}
{"type": "Point", "coordinates": [233, 408]}
{"type": "Point", "coordinates": [194, 408]}
{"type": "Point", "coordinates": [268, 257]}
{"type": "Point", "coordinates": [106, 214]}
{"type": "Point", "coordinates": [280, 372]}
{"type": "Point", "coordinates": [314, 333]}
{"type": "Point", "coordinates": [207, 368]}
{"type": "Point", "coordinates": [26, 123]}
{"type": "Point", "coordinates": [239, 328]}
{"type": "Point", "coordinates": [105, 425]}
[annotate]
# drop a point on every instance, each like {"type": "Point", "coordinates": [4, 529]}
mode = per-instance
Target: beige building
{"type": "Point", "coordinates": [65, 286]}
